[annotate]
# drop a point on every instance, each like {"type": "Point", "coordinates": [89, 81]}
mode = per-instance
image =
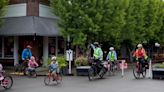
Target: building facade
{"type": "Point", "coordinates": [29, 22]}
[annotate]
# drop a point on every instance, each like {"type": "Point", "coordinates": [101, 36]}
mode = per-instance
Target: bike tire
{"type": "Point", "coordinates": [144, 72]}
{"type": "Point", "coordinates": [136, 73]}
{"type": "Point", "coordinates": [59, 78]}
{"type": "Point", "coordinates": [102, 73]}
{"type": "Point", "coordinates": [91, 74]}
{"type": "Point", "coordinates": [34, 74]}
{"type": "Point", "coordinates": [47, 80]}
{"type": "Point", "coordinates": [112, 70]}
{"type": "Point", "coordinates": [7, 79]}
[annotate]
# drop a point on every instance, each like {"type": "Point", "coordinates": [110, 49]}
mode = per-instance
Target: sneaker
{"type": "Point", "coordinates": [54, 79]}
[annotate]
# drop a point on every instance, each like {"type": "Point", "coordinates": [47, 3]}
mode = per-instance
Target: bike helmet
{"type": "Point", "coordinates": [53, 58]}
{"type": "Point", "coordinates": [139, 45]}
{"type": "Point", "coordinates": [32, 58]}
{"type": "Point", "coordinates": [96, 43]}
{"type": "Point", "coordinates": [111, 48]}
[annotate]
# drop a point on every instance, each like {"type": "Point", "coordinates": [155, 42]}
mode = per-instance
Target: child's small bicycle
{"type": "Point", "coordinates": [49, 80]}
{"type": "Point", "coordinates": [7, 82]}
{"type": "Point", "coordinates": [31, 73]}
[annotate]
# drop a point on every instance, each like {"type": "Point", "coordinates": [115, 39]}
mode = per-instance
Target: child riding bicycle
{"type": "Point", "coordinates": [54, 67]}
{"type": "Point", "coordinates": [32, 64]}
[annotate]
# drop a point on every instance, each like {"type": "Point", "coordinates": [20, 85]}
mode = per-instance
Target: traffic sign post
{"type": "Point", "coordinates": [69, 58]}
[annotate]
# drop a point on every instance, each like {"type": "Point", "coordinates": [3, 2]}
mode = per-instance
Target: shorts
{"type": "Point", "coordinates": [54, 71]}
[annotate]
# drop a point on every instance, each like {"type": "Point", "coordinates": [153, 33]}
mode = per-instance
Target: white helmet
{"type": "Point", "coordinates": [111, 48]}
{"type": "Point", "coordinates": [1, 67]}
{"type": "Point", "coordinates": [53, 58]}
{"type": "Point", "coordinates": [139, 45]}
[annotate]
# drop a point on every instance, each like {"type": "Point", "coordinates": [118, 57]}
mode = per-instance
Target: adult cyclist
{"type": "Point", "coordinates": [97, 54]}
{"type": "Point", "coordinates": [112, 56]}
{"type": "Point", "coordinates": [140, 54]}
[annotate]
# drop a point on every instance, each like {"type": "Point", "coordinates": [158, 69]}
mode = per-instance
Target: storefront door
{"type": "Point", "coordinates": [35, 42]}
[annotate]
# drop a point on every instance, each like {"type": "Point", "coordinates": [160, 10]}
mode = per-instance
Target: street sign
{"type": "Point", "coordinates": [69, 55]}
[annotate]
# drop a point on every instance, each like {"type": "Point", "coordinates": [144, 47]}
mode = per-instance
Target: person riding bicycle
{"type": "Point", "coordinates": [54, 67]}
{"type": "Point", "coordinates": [97, 54]}
{"type": "Point", "coordinates": [140, 54]}
{"type": "Point", "coordinates": [32, 64]}
{"type": "Point", "coordinates": [112, 56]}
{"type": "Point", "coordinates": [26, 55]}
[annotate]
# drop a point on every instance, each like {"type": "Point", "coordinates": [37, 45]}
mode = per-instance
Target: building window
{"type": "Point", "coordinates": [0, 46]}
{"type": "Point", "coordinates": [52, 46]}
{"type": "Point", "coordinates": [61, 46]}
{"type": "Point", "coordinates": [17, 1]}
{"type": "Point", "coordinates": [8, 46]}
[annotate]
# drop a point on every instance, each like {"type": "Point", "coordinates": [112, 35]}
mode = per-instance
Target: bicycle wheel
{"type": "Point", "coordinates": [102, 73]}
{"type": "Point", "coordinates": [34, 74]}
{"type": "Point", "coordinates": [7, 82]}
{"type": "Point", "coordinates": [112, 69]}
{"type": "Point", "coordinates": [48, 80]}
{"type": "Point", "coordinates": [144, 72]}
{"type": "Point", "coordinates": [91, 74]}
{"type": "Point", "coordinates": [59, 78]}
{"type": "Point", "coordinates": [136, 71]}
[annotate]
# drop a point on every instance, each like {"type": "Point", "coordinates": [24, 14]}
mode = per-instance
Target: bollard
{"type": "Point", "coordinates": [122, 68]}
{"type": "Point", "coordinates": [150, 68]}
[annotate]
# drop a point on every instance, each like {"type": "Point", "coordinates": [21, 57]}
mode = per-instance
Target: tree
{"type": "Point", "coordinates": [3, 4]}
{"type": "Point", "coordinates": [90, 20]}
{"type": "Point", "coordinates": [115, 22]}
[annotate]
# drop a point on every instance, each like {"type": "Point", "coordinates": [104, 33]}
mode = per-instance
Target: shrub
{"type": "Point", "coordinates": [81, 61]}
{"type": "Point", "coordinates": [62, 61]}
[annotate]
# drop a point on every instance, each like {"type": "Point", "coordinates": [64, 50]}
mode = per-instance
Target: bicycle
{"type": "Point", "coordinates": [113, 68]}
{"type": "Point", "coordinates": [31, 73]}
{"type": "Point", "coordinates": [96, 70]}
{"type": "Point", "coordinates": [48, 80]}
{"type": "Point", "coordinates": [105, 69]}
{"type": "Point", "coordinates": [7, 82]}
{"type": "Point", "coordinates": [139, 69]}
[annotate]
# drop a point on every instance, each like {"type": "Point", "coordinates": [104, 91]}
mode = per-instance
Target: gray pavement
{"type": "Point", "coordinates": [81, 84]}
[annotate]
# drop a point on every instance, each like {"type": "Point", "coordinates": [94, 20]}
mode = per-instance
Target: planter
{"type": "Point", "coordinates": [82, 70]}
{"type": "Point", "coordinates": [158, 71]}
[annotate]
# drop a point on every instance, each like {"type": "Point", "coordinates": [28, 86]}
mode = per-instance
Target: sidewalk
{"type": "Point", "coordinates": [41, 71]}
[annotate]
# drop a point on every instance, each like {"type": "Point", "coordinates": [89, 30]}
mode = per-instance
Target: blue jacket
{"type": "Point", "coordinates": [26, 54]}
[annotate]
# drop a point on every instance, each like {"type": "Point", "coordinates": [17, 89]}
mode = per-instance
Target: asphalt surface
{"type": "Point", "coordinates": [81, 84]}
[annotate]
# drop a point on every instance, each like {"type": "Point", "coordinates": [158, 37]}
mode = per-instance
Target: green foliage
{"type": "Point", "coordinates": [48, 61]}
{"type": "Point", "coordinates": [159, 65]}
{"type": "Point", "coordinates": [81, 61]}
{"type": "Point", "coordinates": [112, 21]}
{"type": "Point", "coordinates": [3, 4]}
{"type": "Point", "coordinates": [62, 62]}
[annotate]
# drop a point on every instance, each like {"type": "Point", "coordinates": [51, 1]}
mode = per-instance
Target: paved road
{"type": "Point", "coordinates": [81, 84]}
